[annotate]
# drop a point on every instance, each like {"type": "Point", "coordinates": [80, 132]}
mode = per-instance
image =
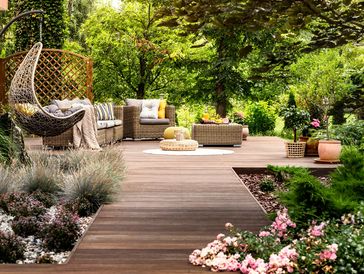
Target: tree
{"type": "Point", "coordinates": [133, 57]}
{"type": "Point", "coordinates": [77, 12]}
{"type": "Point", "coordinates": [293, 27]}
{"type": "Point", "coordinates": [53, 26]}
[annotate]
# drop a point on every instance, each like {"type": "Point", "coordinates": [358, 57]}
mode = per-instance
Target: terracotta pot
{"type": "Point", "coordinates": [329, 150]}
{"type": "Point", "coordinates": [245, 132]}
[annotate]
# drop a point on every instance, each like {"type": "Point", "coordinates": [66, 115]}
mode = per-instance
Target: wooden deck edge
{"type": "Point", "coordinates": [251, 194]}
{"type": "Point", "coordinates": [83, 235]}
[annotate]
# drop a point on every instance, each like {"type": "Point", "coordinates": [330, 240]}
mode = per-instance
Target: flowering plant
{"type": "Point", "coordinates": [282, 248]}
{"type": "Point", "coordinates": [309, 127]}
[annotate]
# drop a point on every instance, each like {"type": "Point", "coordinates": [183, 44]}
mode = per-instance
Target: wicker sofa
{"type": "Point", "coordinates": [137, 128]}
{"type": "Point", "coordinates": [107, 132]}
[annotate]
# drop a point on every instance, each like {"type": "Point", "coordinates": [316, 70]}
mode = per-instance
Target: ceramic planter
{"type": "Point", "coordinates": [329, 150]}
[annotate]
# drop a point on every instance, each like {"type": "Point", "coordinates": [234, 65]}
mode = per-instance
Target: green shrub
{"type": "Point", "coordinates": [348, 179]}
{"type": "Point", "coordinates": [25, 226]}
{"type": "Point", "coordinates": [260, 118]}
{"type": "Point", "coordinates": [351, 133]}
{"type": "Point", "coordinates": [11, 248]}
{"type": "Point", "coordinates": [308, 199]}
{"type": "Point", "coordinates": [284, 173]}
{"type": "Point", "coordinates": [61, 232]}
{"type": "Point", "coordinates": [266, 185]}
{"type": "Point", "coordinates": [47, 199]}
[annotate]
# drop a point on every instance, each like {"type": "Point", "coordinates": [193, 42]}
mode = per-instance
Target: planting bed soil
{"type": "Point", "coordinates": [252, 178]}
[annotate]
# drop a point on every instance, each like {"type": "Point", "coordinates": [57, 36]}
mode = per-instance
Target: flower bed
{"type": "Point", "coordinates": [328, 247]}
{"type": "Point", "coordinates": [45, 207]}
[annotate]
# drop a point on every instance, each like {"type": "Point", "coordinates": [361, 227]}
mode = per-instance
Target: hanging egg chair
{"type": "Point", "coordinates": [28, 112]}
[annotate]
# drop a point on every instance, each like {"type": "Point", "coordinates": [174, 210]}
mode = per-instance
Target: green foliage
{"type": "Point", "coordinates": [260, 117]}
{"type": "Point", "coordinates": [295, 119]}
{"type": "Point", "coordinates": [266, 185]}
{"type": "Point", "coordinates": [308, 198]}
{"type": "Point", "coordinates": [7, 148]}
{"type": "Point", "coordinates": [133, 57]}
{"type": "Point", "coordinates": [325, 74]}
{"type": "Point", "coordinates": [11, 248]}
{"type": "Point", "coordinates": [348, 179]}
{"type": "Point", "coordinates": [27, 30]}
{"type": "Point", "coordinates": [350, 133]}
{"type": "Point", "coordinates": [285, 173]}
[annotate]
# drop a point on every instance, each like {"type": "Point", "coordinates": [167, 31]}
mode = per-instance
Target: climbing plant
{"type": "Point", "coordinates": [27, 30]}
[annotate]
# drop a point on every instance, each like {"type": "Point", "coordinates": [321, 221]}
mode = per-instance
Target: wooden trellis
{"type": "Point", "coordinates": [60, 74]}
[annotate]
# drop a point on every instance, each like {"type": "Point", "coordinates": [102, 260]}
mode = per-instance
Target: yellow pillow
{"type": "Point", "coordinates": [162, 109]}
{"type": "Point", "coordinates": [169, 133]}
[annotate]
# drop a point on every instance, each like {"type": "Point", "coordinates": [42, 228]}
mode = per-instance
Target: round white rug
{"type": "Point", "coordinates": [197, 152]}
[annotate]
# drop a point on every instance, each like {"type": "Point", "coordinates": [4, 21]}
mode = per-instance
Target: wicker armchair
{"type": "Point", "coordinates": [136, 130]}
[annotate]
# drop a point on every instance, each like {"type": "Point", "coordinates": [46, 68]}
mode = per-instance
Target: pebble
{"type": "Point", "coordinates": [34, 246]}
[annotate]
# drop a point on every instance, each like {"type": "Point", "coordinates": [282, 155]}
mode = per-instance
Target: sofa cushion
{"type": "Point", "coordinates": [162, 109]}
{"type": "Point", "coordinates": [105, 111]}
{"type": "Point", "coordinates": [146, 121]}
{"type": "Point", "coordinates": [134, 103]}
{"type": "Point", "coordinates": [150, 109]}
{"type": "Point", "coordinates": [118, 122]}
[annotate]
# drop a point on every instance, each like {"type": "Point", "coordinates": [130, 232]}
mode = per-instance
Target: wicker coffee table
{"type": "Point", "coordinates": [172, 144]}
{"type": "Point", "coordinates": [217, 134]}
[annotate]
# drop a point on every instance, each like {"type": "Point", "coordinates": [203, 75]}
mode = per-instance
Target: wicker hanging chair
{"type": "Point", "coordinates": [29, 114]}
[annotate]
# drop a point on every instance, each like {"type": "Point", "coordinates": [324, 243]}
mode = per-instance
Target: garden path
{"type": "Point", "coordinates": [168, 206]}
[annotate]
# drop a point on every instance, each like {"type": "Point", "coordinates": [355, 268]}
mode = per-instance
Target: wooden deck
{"type": "Point", "coordinates": [169, 206]}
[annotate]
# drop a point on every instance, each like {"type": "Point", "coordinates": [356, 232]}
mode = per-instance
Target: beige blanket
{"type": "Point", "coordinates": [85, 131]}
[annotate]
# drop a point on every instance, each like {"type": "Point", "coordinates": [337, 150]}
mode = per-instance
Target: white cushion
{"type": "Point", "coordinates": [150, 109]}
{"type": "Point", "coordinates": [118, 122]}
{"type": "Point", "coordinates": [105, 123]}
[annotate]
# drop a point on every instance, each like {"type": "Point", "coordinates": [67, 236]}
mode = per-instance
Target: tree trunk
{"type": "Point", "coordinates": [142, 71]}
{"type": "Point", "coordinates": [221, 101]}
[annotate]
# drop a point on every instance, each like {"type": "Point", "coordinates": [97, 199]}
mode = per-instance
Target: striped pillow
{"type": "Point", "coordinates": [105, 111]}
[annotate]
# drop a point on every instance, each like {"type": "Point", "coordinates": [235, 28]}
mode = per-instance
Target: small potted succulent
{"type": "Point", "coordinates": [238, 118]}
{"type": "Point", "coordinates": [295, 119]}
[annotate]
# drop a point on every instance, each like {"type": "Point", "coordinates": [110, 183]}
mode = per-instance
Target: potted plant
{"type": "Point", "coordinates": [295, 119]}
{"type": "Point", "coordinates": [308, 136]}
{"type": "Point", "coordinates": [328, 149]}
{"type": "Point", "coordinates": [238, 118]}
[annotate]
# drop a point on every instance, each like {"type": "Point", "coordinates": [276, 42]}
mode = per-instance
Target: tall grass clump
{"type": "Point", "coordinates": [95, 183]}
{"type": "Point", "coordinates": [42, 176]}
{"type": "Point", "coordinates": [8, 182]}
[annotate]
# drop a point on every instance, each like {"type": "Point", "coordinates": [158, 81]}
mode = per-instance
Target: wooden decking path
{"type": "Point", "coordinates": [169, 206]}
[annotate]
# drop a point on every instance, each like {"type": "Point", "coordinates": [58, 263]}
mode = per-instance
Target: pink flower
{"type": "Point", "coordinates": [315, 123]}
{"type": "Point", "coordinates": [229, 226]}
{"type": "Point", "coordinates": [264, 234]}
{"type": "Point", "coordinates": [329, 253]}
{"type": "Point", "coordinates": [317, 230]}
{"type": "Point", "coordinates": [281, 223]}
{"type": "Point", "coordinates": [220, 236]}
